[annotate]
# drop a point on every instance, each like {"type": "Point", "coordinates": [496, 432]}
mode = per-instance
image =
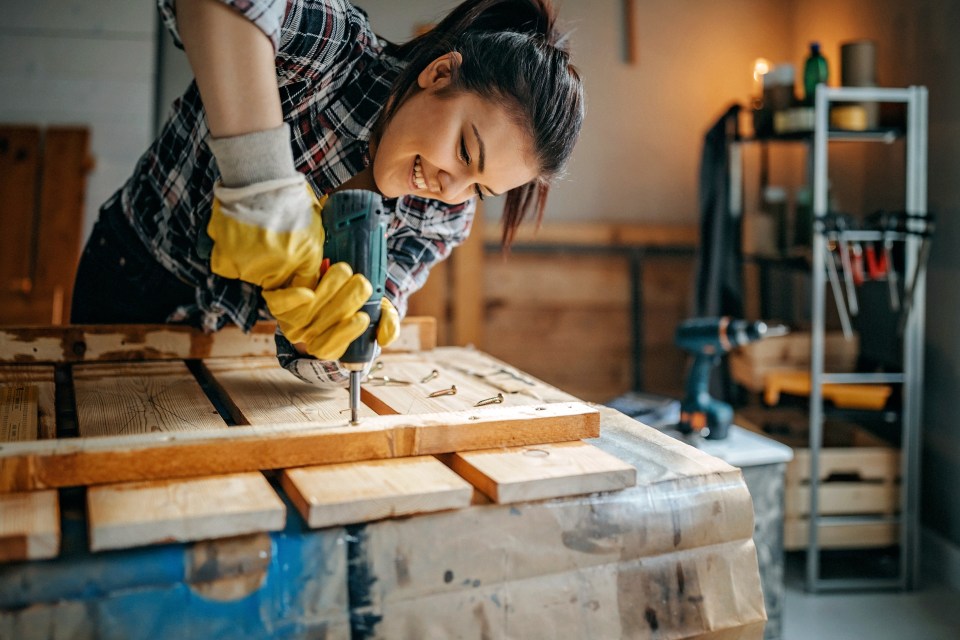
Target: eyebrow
{"type": "Point", "coordinates": [483, 148]}
{"type": "Point", "coordinates": [483, 155]}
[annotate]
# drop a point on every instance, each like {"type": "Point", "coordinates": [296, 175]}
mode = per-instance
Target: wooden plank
{"type": "Point", "coordinates": [142, 513]}
{"type": "Point", "coordinates": [89, 461]}
{"type": "Point", "coordinates": [260, 391]}
{"type": "Point", "coordinates": [43, 379]}
{"type": "Point", "coordinates": [466, 286]}
{"type": "Point", "coordinates": [141, 397]}
{"type": "Point", "coordinates": [417, 333]}
{"type": "Point", "coordinates": [538, 280]}
{"type": "Point", "coordinates": [864, 463]}
{"type": "Point", "coordinates": [108, 343]}
{"type": "Point", "coordinates": [340, 494]}
{"type": "Point", "coordinates": [840, 536]}
{"type": "Point", "coordinates": [579, 234]}
{"type": "Point", "coordinates": [18, 412]}
{"type": "Point", "coordinates": [29, 526]}
{"type": "Point", "coordinates": [843, 498]}
{"type": "Point", "coordinates": [476, 376]}
{"type": "Point", "coordinates": [545, 341]}
{"type": "Point", "coordinates": [66, 162]}
{"type": "Point", "coordinates": [433, 300]}
{"type": "Point", "coordinates": [19, 175]}
{"type": "Point", "coordinates": [544, 471]}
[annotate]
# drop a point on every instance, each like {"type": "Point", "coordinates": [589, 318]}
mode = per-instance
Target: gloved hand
{"type": "Point", "coordinates": [389, 328]}
{"type": "Point", "coordinates": [265, 224]}
{"type": "Point", "coordinates": [326, 319]}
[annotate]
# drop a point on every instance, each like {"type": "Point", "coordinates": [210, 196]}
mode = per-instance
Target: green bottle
{"type": "Point", "coordinates": [814, 72]}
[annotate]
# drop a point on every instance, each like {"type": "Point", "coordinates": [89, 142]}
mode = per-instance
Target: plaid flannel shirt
{"type": "Point", "coordinates": [334, 78]}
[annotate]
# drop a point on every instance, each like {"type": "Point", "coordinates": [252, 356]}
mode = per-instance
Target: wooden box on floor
{"type": "Point", "coordinates": [859, 475]}
{"type": "Point", "coordinates": [750, 364]}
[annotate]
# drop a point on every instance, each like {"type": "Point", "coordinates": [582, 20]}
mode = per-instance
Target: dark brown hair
{"type": "Point", "coordinates": [511, 53]}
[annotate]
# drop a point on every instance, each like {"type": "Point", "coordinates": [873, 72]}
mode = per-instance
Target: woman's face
{"type": "Point", "coordinates": [451, 148]}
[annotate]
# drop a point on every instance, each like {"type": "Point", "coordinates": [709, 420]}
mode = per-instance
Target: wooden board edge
{"type": "Point", "coordinates": [226, 524]}
{"type": "Point", "coordinates": [153, 456]}
{"type": "Point", "coordinates": [42, 545]}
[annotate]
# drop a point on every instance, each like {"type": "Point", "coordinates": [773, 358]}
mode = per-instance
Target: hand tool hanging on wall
{"type": "Point", "coordinates": [922, 226]}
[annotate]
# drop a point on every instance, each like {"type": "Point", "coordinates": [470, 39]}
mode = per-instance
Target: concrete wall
{"type": "Point", "coordinates": [79, 62]}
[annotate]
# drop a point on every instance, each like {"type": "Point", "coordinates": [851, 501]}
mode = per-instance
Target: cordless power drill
{"type": "Point", "coordinates": [355, 225]}
{"type": "Point", "coordinates": [708, 339]}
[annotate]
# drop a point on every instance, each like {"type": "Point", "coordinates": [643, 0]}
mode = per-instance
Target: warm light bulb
{"type": "Point", "coordinates": [761, 67]}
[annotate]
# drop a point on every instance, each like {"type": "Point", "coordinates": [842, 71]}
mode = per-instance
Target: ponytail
{"type": "Point", "coordinates": [511, 53]}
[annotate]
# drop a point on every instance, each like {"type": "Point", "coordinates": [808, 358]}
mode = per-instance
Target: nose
{"type": "Point", "coordinates": [454, 182]}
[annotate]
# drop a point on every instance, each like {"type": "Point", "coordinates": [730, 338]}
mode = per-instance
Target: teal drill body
{"type": "Point", "coordinates": [708, 339]}
{"type": "Point", "coordinates": [356, 228]}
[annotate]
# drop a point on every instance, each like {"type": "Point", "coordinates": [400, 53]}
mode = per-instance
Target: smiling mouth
{"type": "Point", "coordinates": [418, 180]}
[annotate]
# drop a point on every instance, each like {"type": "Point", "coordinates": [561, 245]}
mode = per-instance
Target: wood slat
{"type": "Point", "coordinates": [796, 533]}
{"type": "Point", "coordinates": [19, 174]}
{"type": "Point", "coordinates": [66, 162]}
{"type": "Point", "coordinates": [102, 343]}
{"type": "Point", "coordinates": [43, 379]}
{"type": "Point", "coordinates": [143, 397]}
{"type": "Point", "coordinates": [260, 391]}
{"type": "Point", "coordinates": [141, 513]}
{"type": "Point", "coordinates": [29, 526]}
{"type": "Point", "coordinates": [544, 471]}
{"type": "Point", "coordinates": [18, 412]}
{"type": "Point", "coordinates": [476, 376]}
{"type": "Point", "coordinates": [836, 498]}
{"type": "Point", "coordinates": [340, 494]}
{"type": "Point", "coordinates": [89, 461]}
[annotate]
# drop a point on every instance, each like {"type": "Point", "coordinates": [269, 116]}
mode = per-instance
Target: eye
{"type": "Point", "coordinates": [464, 154]}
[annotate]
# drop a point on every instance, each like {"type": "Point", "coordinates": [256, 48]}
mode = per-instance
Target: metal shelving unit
{"type": "Point", "coordinates": [911, 378]}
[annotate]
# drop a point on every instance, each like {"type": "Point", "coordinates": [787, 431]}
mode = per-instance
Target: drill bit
{"type": "Point", "coordinates": [354, 396]}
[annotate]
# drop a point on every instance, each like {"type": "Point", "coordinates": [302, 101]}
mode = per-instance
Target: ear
{"type": "Point", "coordinates": [439, 73]}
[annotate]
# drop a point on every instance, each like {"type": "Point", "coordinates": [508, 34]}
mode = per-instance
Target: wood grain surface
{"type": "Point", "coordinates": [43, 379]}
{"type": "Point", "coordinates": [88, 461]}
{"type": "Point", "coordinates": [543, 471]}
{"type": "Point", "coordinates": [339, 494]}
{"type": "Point", "coordinates": [29, 526]}
{"type": "Point", "coordinates": [141, 513]}
{"type": "Point", "coordinates": [141, 397]}
{"type": "Point", "coordinates": [260, 391]}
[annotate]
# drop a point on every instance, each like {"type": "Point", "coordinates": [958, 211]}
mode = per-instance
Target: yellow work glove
{"type": "Point", "coordinates": [325, 319]}
{"type": "Point", "coordinates": [389, 328]}
{"type": "Point", "coordinates": [265, 223]}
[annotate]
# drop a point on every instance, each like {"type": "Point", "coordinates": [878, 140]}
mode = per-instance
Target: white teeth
{"type": "Point", "coordinates": [418, 179]}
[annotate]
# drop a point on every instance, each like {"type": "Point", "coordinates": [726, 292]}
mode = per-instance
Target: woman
{"type": "Point", "coordinates": [297, 98]}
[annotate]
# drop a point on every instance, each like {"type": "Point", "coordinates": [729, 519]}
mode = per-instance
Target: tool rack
{"type": "Point", "coordinates": [911, 377]}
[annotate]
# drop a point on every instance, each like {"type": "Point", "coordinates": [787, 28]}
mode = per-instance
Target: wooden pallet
{"type": "Point", "coordinates": [858, 474]}
{"type": "Point", "coordinates": [171, 430]}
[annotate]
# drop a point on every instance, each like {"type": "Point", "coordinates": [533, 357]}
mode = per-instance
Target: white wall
{"type": "Point", "coordinates": [83, 62]}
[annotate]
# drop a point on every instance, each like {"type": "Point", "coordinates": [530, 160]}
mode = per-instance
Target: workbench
{"type": "Point", "coordinates": [669, 556]}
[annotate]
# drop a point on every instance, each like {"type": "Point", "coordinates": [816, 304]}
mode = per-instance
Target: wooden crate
{"type": "Point", "coordinates": [750, 364]}
{"type": "Point", "coordinates": [858, 473]}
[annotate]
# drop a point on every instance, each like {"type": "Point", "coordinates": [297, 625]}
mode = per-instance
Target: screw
{"type": "Point", "coordinates": [433, 374]}
{"type": "Point", "coordinates": [452, 391]}
{"type": "Point", "coordinates": [494, 400]}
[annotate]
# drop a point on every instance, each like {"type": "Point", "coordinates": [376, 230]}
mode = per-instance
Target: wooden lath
{"type": "Point", "coordinates": [113, 343]}
{"type": "Point", "coordinates": [88, 461]}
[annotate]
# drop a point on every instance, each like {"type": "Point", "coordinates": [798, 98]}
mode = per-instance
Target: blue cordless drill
{"type": "Point", "coordinates": [708, 339]}
{"type": "Point", "coordinates": [355, 225]}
